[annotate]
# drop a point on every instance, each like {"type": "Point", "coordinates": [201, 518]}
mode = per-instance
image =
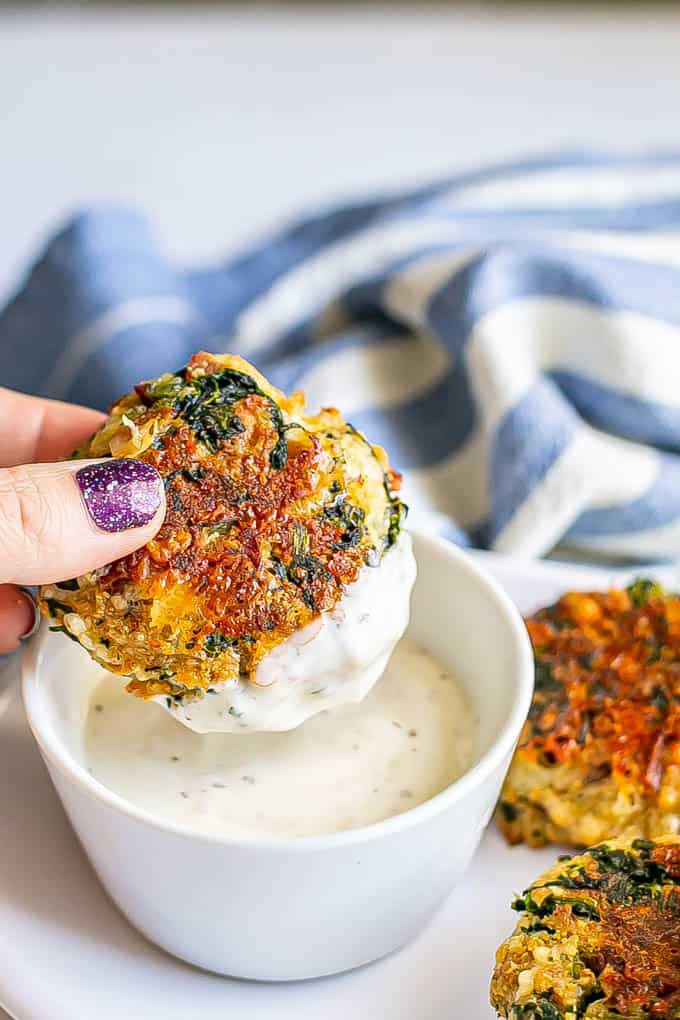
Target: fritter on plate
{"type": "Point", "coordinates": [598, 938]}
{"type": "Point", "coordinates": [599, 755]}
{"type": "Point", "coordinates": [272, 515]}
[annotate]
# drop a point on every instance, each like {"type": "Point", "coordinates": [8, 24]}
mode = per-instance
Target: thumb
{"type": "Point", "coordinates": [60, 520]}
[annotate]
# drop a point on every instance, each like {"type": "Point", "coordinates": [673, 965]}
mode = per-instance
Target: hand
{"type": "Point", "coordinates": [60, 519]}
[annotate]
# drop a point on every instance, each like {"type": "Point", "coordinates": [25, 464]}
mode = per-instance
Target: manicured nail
{"type": "Point", "coordinates": [120, 494]}
{"type": "Point", "coordinates": [29, 596]}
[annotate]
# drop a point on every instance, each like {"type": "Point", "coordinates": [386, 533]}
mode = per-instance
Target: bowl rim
{"type": "Point", "coordinates": [61, 759]}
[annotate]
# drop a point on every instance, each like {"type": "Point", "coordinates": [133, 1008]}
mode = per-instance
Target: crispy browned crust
{"type": "Point", "coordinates": [271, 513]}
{"type": "Point", "coordinates": [599, 755]}
{"type": "Point", "coordinates": [598, 938]}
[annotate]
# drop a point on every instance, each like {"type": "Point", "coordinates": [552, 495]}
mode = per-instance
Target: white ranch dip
{"type": "Point", "coordinates": [411, 736]}
{"type": "Point", "coordinates": [333, 660]}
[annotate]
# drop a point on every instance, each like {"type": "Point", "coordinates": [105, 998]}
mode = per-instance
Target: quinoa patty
{"type": "Point", "coordinates": [599, 756]}
{"type": "Point", "coordinates": [598, 938]}
{"type": "Point", "coordinates": [271, 513]}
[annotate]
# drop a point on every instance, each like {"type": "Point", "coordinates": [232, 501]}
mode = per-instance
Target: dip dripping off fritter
{"type": "Point", "coordinates": [271, 514]}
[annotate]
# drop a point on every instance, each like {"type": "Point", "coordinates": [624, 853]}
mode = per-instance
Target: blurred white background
{"type": "Point", "coordinates": [223, 121]}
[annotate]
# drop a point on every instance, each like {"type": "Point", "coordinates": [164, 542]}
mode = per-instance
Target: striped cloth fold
{"type": "Point", "coordinates": [511, 336]}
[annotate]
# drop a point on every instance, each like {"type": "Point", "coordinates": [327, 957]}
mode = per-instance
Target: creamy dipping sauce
{"type": "Point", "coordinates": [410, 737]}
{"type": "Point", "coordinates": [333, 660]}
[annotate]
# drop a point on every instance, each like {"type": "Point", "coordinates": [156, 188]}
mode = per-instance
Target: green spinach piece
{"type": "Point", "coordinates": [207, 402]}
{"type": "Point", "coordinates": [642, 590]}
{"type": "Point", "coordinates": [217, 643]}
{"type": "Point", "coordinates": [349, 518]}
{"type": "Point", "coordinates": [541, 1009]}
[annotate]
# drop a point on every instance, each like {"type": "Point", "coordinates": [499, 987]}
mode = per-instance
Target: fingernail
{"type": "Point", "coordinates": [120, 494]}
{"type": "Point", "coordinates": [29, 596]}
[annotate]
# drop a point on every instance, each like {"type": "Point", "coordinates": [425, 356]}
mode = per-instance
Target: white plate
{"type": "Point", "coordinates": [67, 954]}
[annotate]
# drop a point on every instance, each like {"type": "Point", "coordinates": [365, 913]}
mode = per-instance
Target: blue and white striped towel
{"type": "Point", "coordinates": [511, 336]}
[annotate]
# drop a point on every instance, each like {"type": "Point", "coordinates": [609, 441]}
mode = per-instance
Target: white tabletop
{"type": "Point", "coordinates": [223, 121]}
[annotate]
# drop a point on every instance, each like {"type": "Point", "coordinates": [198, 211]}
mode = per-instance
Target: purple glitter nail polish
{"type": "Point", "coordinates": [120, 494]}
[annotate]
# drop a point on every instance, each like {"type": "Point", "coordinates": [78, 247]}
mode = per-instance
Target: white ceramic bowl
{"type": "Point", "coordinates": [281, 909]}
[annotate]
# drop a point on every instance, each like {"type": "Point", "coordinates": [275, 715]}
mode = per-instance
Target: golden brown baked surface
{"type": "Point", "coordinates": [598, 938]}
{"type": "Point", "coordinates": [599, 755]}
{"type": "Point", "coordinates": [271, 513]}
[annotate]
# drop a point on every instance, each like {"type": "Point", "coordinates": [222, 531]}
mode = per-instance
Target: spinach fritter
{"type": "Point", "coordinates": [599, 755]}
{"type": "Point", "coordinates": [271, 513]}
{"type": "Point", "coordinates": [598, 938]}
